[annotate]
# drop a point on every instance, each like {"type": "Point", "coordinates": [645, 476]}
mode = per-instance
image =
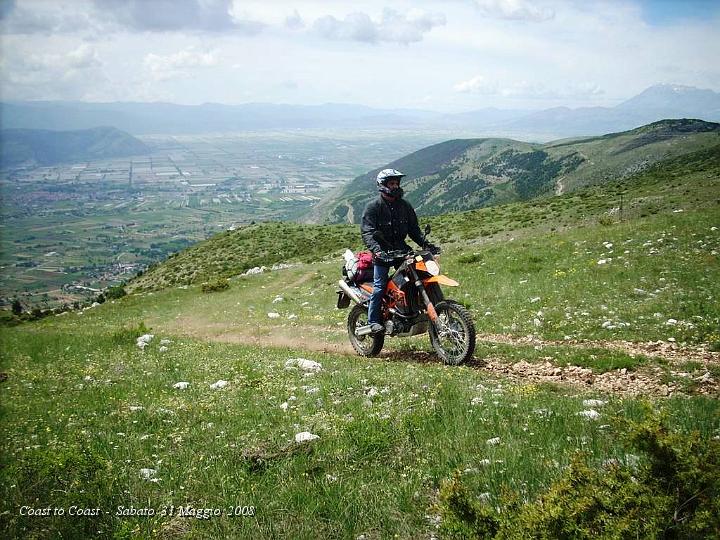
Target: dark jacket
{"type": "Point", "coordinates": [385, 225]}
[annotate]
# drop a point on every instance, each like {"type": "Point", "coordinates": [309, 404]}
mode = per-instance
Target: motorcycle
{"type": "Point", "coordinates": [413, 304]}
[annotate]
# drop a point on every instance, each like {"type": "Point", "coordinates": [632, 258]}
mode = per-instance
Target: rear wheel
{"type": "Point", "coordinates": [452, 335]}
{"type": "Point", "coordinates": [367, 345]}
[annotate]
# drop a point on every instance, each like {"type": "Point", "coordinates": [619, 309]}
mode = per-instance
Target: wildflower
{"type": "Point", "coordinates": [147, 474]}
{"type": "Point", "coordinates": [590, 414]}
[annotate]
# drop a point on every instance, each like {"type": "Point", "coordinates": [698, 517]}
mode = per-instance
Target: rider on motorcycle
{"type": "Point", "coordinates": [386, 222]}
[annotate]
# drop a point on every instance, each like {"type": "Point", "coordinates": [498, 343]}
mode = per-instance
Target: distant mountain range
{"type": "Point", "coordinates": [655, 103]}
{"type": "Point", "coordinates": [464, 174]}
{"type": "Point", "coordinates": [33, 147]}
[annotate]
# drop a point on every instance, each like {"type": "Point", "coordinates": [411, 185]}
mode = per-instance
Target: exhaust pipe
{"type": "Point", "coordinates": [347, 290]}
{"type": "Point", "coordinates": [363, 331]}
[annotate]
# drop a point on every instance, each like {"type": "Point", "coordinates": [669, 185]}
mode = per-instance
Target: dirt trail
{"type": "Point", "coordinates": [653, 379]}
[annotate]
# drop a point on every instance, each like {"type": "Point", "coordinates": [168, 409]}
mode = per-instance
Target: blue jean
{"type": "Point", "coordinates": [380, 279]}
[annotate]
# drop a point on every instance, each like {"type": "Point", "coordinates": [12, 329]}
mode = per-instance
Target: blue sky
{"type": "Point", "coordinates": [451, 55]}
{"type": "Point", "coordinates": [668, 12]}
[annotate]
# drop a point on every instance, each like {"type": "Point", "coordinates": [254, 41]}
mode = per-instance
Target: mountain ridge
{"type": "Point", "coordinates": [494, 171]}
{"type": "Point", "coordinates": [654, 103]}
{"type": "Point", "coordinates": [47, 147]}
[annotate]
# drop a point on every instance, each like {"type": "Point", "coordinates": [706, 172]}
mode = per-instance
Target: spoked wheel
{"type": "Point", "coordinates": [453, 333]}
{"type": "Point", "coordinates": [368, 345]}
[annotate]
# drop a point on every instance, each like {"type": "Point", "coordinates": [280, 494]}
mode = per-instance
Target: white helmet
{"type": "Point", "coordinates": [385, 175]}
{"type": "Point", "coordinates": [382, 179]}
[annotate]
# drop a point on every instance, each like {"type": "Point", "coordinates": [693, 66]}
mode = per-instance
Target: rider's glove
{"type": "Point", "coordinates": [432, 248]}
{"type": "Point", "coordinates": [380, 255]}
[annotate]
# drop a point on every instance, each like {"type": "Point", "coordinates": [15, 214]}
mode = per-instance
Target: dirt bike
{"type": "Point", "coordinates": [413, 304]}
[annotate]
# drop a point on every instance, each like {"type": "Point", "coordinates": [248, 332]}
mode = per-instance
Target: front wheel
{"type": "Point", "coordinates": [368, 345]}
{"type": "Point", "coordinates": [452, 335]}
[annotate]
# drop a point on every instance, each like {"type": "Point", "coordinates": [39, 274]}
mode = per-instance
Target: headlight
{"type": "Point", "coordinates": [432, 267]}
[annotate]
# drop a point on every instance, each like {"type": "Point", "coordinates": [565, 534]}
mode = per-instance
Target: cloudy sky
{"type": "Point", "coordinates": [450, 55]}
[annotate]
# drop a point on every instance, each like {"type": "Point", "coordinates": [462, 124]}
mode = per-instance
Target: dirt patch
{"type": "Point", "coordinates": [654, 380]}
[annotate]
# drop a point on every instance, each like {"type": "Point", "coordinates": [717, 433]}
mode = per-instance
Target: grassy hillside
{"type": "Point", "coordinates": [688, 181]}
{"type": "Point", "coordinates": [474, 173]}
{"type": "Point", "coordinates": [406, 447]}
{"type": "Point", "coordinates": [44, 147]}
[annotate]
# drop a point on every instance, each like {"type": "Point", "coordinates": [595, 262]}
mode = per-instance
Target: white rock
{"type": "Point", "coordinates": [671, 322]}
{"type": "Point", "coordinates": [292, 316]}
{"type": "Point", "coordinates": [163, 348]}
{"type": "Point", "coordinates": [484, 462]}
{"type": "Point", "coordinates": [602, 261]}
{"type": "Point", "coordinates": [273, 315]}
{"type": "Point", "coordinates": [256, 270]}
{"type": "Point", "coordinates": [134, 408]}
{"type": "Point", "coordinates": [591, 414]}
{"type": "Point", "coordinates": [536, 299]}
{"type": "Point", "coordinates": [284, 406]}
{"type": "Point", "coordinates": [147, 474]}
{"type": "Point", "coordinates": [305, 436]}
{"type": "Point", "coordinates": [182, 385]}
{"type": "Point", "coordinates": [594, 403]}
{"type": "Point", "coordinates": [219, 384]}
{"type": "Point", "coordinates": [145, 338]}
{"type": "Point", "coordinates": [372, 392]}
{"type": "Point", "coordinates": [494, 441]}
{"type": "Point", "coordinates": [278, 299]}
{"type": "Point", "coordinates": [304, 364]}
{"type": "Point", "coordinates": [476, 401]}
{"type": "Point", "coordinates": [165, 342]}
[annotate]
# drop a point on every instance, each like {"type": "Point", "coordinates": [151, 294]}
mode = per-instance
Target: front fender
{"type": "Point", "coordinates": [442, 280]}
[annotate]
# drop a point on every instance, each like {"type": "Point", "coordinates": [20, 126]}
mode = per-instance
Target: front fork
{"type": "Point", "coordinates": [432, 314]}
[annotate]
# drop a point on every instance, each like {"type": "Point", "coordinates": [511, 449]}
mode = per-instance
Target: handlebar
{"type": "Point", "coordinates": [391, 257]}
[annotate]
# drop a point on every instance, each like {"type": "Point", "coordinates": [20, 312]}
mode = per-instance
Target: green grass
{"type": "Point", "coordinates": [91, 409]}
{"type": "Point", "coordinates": [84, 409]}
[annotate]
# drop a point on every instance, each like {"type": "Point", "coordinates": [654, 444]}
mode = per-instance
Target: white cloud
{"type": "Point", "coordinates": [177, 15]}
{"type": "Point", "coordinates": [526, 89]}
{"type": "Point", "coordinates": [294, 21]}
{"type": "Point", "coordinates": [178, 65]}
{"type": "Point", "coordinates": [522, 10]}
{"type": "Point", "coordinates": [477, 85]}
{"type": "Point", "coordinates": [393, 27]}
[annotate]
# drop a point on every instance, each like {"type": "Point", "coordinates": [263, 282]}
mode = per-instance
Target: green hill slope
{"type": "Point", "coordinates": [44, 147]}
{"type": "Point", "coordinates": [590, 319]}
{"type": "Point", "coordinates": [465, 174]}
{"type": "Point", "coordinates": [689, 181]}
